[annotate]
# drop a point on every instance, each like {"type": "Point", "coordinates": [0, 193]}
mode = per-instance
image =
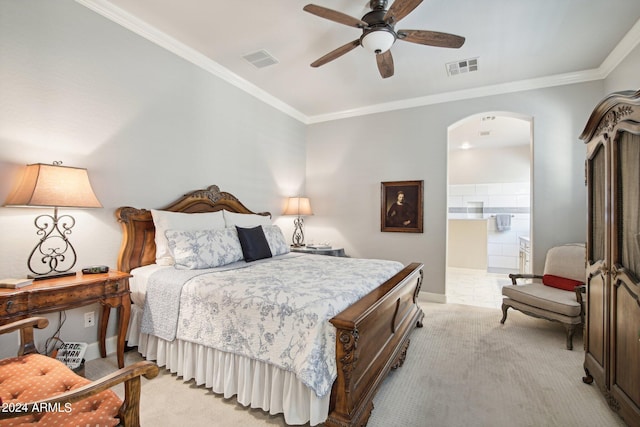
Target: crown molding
{"type": "Point", "coordinates": [622, 50]}
{"type": "Point", "coordinates": [484, 91]}
{"type": "Point", "coordinates": [125, 19]}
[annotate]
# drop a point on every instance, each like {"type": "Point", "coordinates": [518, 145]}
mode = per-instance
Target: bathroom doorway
{"type": "Point", "coordinates": [488, 205]}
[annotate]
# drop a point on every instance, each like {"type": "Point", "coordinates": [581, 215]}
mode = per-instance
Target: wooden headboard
{"type": "Point", "coordinates": [138, 241]}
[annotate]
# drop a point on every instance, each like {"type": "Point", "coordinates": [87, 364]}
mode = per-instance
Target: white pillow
{"type": "Point", "coordinates": [232, 219]}
{"type": "Point", "coordinates": [198, 249]}
{"type": "Point", "coordinates": [165, 220]}
{"type": "Point", "coordinates": [276, 240]}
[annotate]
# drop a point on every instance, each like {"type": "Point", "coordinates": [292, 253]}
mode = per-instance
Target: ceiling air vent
{"type": "Point", "coordinates": [462, 66]}
{"type": "Point", "coordinates": [260, 59]}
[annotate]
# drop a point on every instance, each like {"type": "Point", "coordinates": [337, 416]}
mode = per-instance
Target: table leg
{"type": "Point", "coordinates": [102, 331]}
{"type": "Point", "coordinates": [124, 312]}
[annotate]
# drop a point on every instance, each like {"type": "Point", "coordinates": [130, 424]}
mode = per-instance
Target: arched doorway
{"type": "Point", "coordinates": [488, 205]}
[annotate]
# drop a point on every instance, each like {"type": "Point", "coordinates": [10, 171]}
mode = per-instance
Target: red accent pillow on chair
{"type": "Point", "coordinates": [560, 282]}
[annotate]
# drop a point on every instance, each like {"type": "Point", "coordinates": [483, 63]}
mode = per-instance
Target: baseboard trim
{"type": "Point", "coordinates": [93, 349]}
{"type": "Point", "coordinates": [431, 297]}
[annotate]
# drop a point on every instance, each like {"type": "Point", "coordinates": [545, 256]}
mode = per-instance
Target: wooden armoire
{"type": "Point", "coordinates": [612, 335]}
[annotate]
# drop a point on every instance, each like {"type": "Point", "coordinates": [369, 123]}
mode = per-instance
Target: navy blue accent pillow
{"type": "Point", "coordinates": [254, 243]}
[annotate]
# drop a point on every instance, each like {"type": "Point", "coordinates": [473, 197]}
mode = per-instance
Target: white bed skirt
{"type": "Point", "coordinates": [256, 384]}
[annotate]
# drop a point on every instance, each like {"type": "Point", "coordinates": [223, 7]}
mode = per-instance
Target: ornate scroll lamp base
{"type": "Point", "coordinates": [298, 234]}
{"type": "Point", "coordinates": [53, 256]}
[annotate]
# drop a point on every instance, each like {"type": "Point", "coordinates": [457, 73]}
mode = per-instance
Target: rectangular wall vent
{"type": "Point", "coordinates": [260, 59]}
{"type": "Point", "coordinates": [462, 66]}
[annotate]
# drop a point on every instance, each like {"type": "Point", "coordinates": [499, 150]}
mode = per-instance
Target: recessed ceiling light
{"type": "Point", "coordinates": [465, 146]}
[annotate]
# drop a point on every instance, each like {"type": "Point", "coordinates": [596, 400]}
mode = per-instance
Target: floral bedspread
{"type": "Point", "coordinates": [278, 311]}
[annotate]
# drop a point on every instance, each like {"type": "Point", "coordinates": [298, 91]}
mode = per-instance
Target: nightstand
{"type": "Point", "coordinates": [329, 252]}
{"type": "Point", "coordinates": [110, 289]}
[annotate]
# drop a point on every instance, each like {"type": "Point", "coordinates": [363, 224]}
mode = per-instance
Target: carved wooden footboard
{"type": "Point", "coordinates": [372, 334]}
{"type": "Point", "coordinates": [372, 337]}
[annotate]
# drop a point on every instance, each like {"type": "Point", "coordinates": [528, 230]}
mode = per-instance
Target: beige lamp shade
{"type": "Point", "coordinates": [298, 206]}
{"type": "Point", "coordinates": [54, 186]}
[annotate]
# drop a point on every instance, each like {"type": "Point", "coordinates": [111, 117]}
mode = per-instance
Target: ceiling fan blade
{"type": "Point", "coordinates": [431, 38]}
{"type": "Point", "coordinates": [334, 15]}
{"type": "Point", "coordinates": [385, 64]}
{"type": "Point", "coordinates": [336, 53]}
{"type": "Point", "coordinates": [399, 9]}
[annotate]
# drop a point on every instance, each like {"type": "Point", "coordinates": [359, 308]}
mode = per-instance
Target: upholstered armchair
{"type": "Point", "coordinates": [39, 390]}
{"type": "Point", "coordinates": [557, 294]}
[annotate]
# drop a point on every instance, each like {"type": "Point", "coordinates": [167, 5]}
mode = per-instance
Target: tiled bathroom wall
{"type": "Point", "coordinates": [484, 201]}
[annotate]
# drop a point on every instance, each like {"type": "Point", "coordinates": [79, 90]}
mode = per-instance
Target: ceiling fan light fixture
{"type": "Point", "coordinates": [379, 34]}
{"type": "Point", "coordinates": [378, 40]}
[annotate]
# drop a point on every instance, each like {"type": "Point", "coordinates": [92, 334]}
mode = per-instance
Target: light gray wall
{"type": "Point", "coordinates": [347, 160]}
{"type": "Point", "coordinates": [490, 165]}
{"type": "Point", "coordinates": [626, 76]}
{"type": "Point", "coordinates": [147, 125]}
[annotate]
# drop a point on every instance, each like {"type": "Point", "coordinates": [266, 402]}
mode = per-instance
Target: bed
{"type": "Point", "coordinates": [370, 336]}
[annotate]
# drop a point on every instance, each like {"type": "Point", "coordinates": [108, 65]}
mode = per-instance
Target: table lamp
{"type": "Point", "coordinates": [298, 206]}
{"type": "Point", "coordinates": [54, 185]}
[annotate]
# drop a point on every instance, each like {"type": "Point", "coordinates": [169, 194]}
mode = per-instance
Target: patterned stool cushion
{"type": "Point", "coordinates": [35, 377]}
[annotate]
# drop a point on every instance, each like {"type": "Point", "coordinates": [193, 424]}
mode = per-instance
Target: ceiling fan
{"type": "Point", "coordinates": [378, 33]}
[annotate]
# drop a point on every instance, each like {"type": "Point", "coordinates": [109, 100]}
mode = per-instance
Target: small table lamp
{"type": "Point", "coordinates": [298, 206]}
{"type": "Point", "coordinates": [53, 186]}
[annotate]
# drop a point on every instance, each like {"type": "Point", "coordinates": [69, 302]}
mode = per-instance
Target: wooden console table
{"type": "Point", "coordinates": [111, 290]}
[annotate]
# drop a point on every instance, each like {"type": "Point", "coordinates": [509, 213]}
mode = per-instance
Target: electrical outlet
{"type": "Point", "coordinates": [89, 319]}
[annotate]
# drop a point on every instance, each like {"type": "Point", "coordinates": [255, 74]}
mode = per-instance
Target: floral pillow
{"type": "Point", "coordinates": [199, 249]}
{"type": "Point", "coordinates": [275, 238]}
{"type": "Point", "coordinates": [165, 220]}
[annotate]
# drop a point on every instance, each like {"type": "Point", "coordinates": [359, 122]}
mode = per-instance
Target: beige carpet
{"type": "Point", "coordinates": [463, 369]}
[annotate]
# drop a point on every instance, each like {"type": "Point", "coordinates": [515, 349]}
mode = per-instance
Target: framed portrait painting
{"type": "Point", "coordinates": [401, 206]}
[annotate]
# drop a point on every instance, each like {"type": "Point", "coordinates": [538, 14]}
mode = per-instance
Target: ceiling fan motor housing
{"type": "Point", "coordinates": [378, 36]}
{"type": "Point", "coordinates": [378, 4]}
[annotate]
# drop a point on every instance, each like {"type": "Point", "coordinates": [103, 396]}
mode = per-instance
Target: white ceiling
{"type": "Point", "coordinates": [519, 44]}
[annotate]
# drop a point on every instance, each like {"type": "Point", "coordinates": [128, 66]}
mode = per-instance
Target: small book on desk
{"type": "Point", "coordinates": [15, 283]}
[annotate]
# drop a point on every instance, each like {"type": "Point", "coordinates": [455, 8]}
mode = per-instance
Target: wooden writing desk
{"type": "Point", "coordinates": [111, 290]}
